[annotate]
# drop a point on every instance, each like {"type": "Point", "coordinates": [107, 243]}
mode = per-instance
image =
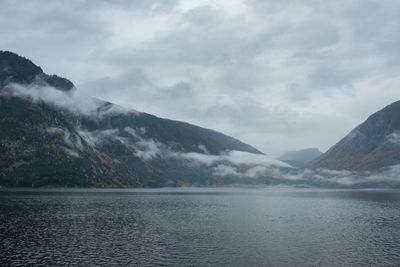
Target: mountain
{"type": "Point", "coordinates": [52, 136]}
{"type": "Point", "coordinates": [300, 158]}
{"type": "Point", "coordinates": [16, 69]}
{"type": "Point", "coordinates": [372, 145]}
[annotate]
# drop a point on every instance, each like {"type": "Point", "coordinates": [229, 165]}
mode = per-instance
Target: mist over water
{"type": "Point", "coordinates": [192, 226]}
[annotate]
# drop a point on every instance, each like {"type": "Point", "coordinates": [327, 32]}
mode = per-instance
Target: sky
{"type": "Point", "coordinates": [279, 75]}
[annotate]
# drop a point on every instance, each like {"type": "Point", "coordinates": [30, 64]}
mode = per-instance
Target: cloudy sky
{"type": "Point", "coordinates": [280, 75]}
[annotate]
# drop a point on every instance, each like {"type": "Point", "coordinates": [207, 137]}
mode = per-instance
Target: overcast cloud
{"type": "Point", "coordinates": [279, 75]}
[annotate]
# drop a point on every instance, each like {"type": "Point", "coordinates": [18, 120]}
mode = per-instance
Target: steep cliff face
{"type": "Point", "coordinates": [372, 145]}
{"type": "Point", "coordinates": [45, 142]}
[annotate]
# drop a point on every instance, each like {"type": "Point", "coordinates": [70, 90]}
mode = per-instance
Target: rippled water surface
{"type": "Point", "coordinates": [230, 227]}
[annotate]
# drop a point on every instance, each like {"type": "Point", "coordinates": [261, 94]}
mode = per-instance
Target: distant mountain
{"type": "Point", "coordinates": [300, 158]}
{"type": "Point", "coordinates": [50, 137]}
{"type": "Point", "coordinates": [372, 145]}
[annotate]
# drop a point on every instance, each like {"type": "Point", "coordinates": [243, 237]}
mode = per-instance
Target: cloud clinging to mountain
{"type": "Point", "coordinates": [279, 75]}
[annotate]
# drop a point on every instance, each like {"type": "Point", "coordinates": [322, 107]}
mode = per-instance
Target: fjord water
{"type": "Point", "coordinates": [200, 227]}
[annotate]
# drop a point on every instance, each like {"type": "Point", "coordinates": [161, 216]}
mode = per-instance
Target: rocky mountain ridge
{"type": "Point", "coordinates": [49, 138]}
{"type": "Point", "coordinates": [372, 145]}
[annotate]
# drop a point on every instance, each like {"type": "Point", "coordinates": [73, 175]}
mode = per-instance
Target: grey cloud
{"type": "Point", "coordinates": [386, 177]}
{"type": "Point", "coordinates": [145, 148]}
{"type": "Point", "coordinates": [224, 170]}
{"type": "Point", "coordinates": [279, 75]}
{"type": "Point", "coordinates": [394, 137]}
{"type": "Point", "coordinates": [73, 101]}
{"type": "Point", "coordinates": [97, 137]}
{"type": "Point", "coordinates": [234, 163]}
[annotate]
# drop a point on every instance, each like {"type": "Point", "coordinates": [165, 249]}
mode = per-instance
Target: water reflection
{"type": "Point", "coordinates": [220, 226]}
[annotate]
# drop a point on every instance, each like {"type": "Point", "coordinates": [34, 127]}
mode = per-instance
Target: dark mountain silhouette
{"type": "Point", "coordinates": [300, 158]}
{"type": "Point", "coordinates": [372, 145]}
{"type": "Point", "coordinates": [42, 144]}
{"type": "Point", "coordinates": [14, 68]}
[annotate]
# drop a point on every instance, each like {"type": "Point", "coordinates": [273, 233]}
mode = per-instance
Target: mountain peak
{"type": "Point", "coordinates": [15, 68]}
{"type": "Point", "coordinates": [18, 69]}
{"type": "Point", "coordinates": [372, 145]}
